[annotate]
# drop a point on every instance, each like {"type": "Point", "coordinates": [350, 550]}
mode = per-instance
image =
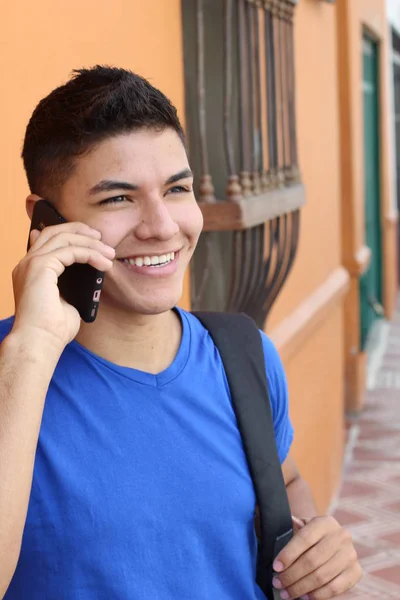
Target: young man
{"type": "Point", "coordinates": [122, 470]}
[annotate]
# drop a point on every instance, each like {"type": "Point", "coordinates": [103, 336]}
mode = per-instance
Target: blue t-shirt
{"type": "Point", "coordinates": [141, 489]}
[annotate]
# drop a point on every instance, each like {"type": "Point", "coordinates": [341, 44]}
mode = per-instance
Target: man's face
{"type": "Point", "coordinates": [137, 190]}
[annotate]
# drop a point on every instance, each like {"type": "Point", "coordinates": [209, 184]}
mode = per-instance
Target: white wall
{"type": "Point", "coordinates": [393, 13]}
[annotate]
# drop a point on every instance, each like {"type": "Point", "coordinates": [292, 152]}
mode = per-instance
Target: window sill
{"type": "Point", "coordinates": [252, 211]}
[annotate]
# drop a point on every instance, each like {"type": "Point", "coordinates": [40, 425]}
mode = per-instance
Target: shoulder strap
{"type": "Point", "coordinates": [239, 343]}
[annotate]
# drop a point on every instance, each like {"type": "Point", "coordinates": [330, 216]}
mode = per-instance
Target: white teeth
{"type": "Point", "coordinates": [147, 261]}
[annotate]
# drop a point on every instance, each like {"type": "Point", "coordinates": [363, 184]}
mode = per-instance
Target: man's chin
{"type": "Point", "coordinates": [143, 306]}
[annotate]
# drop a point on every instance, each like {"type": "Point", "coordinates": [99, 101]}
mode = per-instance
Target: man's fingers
{"type": "Point", "coordinates": [48, 232]}
{"type": "Point", "coordinates": [64, 257]}
{"type": "Point", "coordinates": [320, 562]}
{"type": "Point", "coordinates": [341, 584]}
{"type": "Point", "coordinates": [63, 240]}
{"type": "Point", "coordinates": [321, 576]}
{"type": "Point", "coordinates": [316, 558]}
{"type": "Point", "coordinates": [305, 538]}
{"type": "Point", "coordinates": [33, 236]}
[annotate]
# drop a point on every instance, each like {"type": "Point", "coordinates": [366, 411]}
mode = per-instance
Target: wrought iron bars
{"type": "Point", "coordinates": [206, 188]}
{"type": "Point", "coordinates": [233, 190]}
{"type": "Point", "coordinates": [266, 147]}
{"type": "Point", "coordinates": [258, 277]}
{"type": "Point", "coordinates": [270, 65]}
{"type": "Point", "coordinates": [244, 100]}
{"type": "Point", "coordinates": [259, 57]}
{"type": "Point", "coordinates": [292, 170]}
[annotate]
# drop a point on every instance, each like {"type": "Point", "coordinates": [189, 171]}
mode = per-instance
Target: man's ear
{"type": "Point", "coordinates": [30, 204]}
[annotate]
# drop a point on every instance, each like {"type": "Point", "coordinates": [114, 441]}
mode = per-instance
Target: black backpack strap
{"type": "Point", "coordinates": [239, 343]}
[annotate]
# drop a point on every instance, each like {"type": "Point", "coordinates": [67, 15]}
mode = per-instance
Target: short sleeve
{"type": "Point", "coordinates": [5, 327]}
{"type": "Point", "coordinates": [279, 397]}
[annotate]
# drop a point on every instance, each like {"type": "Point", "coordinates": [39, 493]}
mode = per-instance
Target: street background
{"type": "Point", "coordinates": [292, 109]}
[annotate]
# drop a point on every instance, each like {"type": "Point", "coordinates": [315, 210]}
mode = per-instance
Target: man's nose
{"type": "Point", "coordinates": [156, 221]}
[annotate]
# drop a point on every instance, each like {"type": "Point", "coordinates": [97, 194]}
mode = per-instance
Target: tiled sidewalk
{"type": "Point", "coordinates": [369, 504]}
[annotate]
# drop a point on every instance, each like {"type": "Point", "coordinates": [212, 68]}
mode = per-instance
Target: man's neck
{"type": "Point", "coordinates": [145, 342]}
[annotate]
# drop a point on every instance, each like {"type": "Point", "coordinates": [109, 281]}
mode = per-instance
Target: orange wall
{"type": "Point", "coordinates": [315, 368]}
{"type": "Point", "coordinates": [318, 144]}
{"type": "Point", "coordinates": [355, 17]}
{"type": "Point", "coordinates": [41, 42]}
{"type": "Point", "coordinates": [331, 151]}
{"type": "Point", "coordinates": [41, 45]}
{"type": "Point", "coordinates": [369, 14]}
{"type": "Point", "coordinates": [316, 389]}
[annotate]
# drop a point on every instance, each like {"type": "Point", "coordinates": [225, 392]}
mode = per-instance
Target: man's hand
{"type": "Point", "coordinates": [38, 305]}
{"type": "Point", "coordinates": [319, 563]}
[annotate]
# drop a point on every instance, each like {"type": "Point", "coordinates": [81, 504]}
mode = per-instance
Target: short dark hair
{"type": "Point", "coordinates": [95, 104]}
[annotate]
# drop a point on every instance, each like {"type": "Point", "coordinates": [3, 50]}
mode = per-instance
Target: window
{"type": "Point", "coordinates": [241, 124]}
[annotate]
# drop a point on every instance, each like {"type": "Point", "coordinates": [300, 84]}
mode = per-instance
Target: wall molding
{"type": "Point", "coordinates": [391, 217]}
{"type": "Point", "coordinates": [359, 263]}
{"type": "Point", "coordinates": [297, 327]}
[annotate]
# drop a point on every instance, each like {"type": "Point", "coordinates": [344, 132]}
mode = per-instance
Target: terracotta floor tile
{"type": "Point", "coordinates": [377, 433]}
{"type": "Point", "coordinates": [393, 538]}
{"type": "Point", "coordinates": [367, 421]}
{"type": "Point", "coordinates": [373, 455]}
{"type": "Point", "coordinates": [351, 488]}
{"type": "Point", "coordinates": [347, 518]}
{"type": "Point", "coordinates": [360, 468]}
{"type": "Point", "coordinates": [371, 482]}
{"type": "Point", "coordinates": [394, 507]}
{"type": "Point", "coordinates": [364, 551]}
{"type": "Point", "coordinates": [396, 478]}
{"type": "Point", "coordinates": [391, 574]}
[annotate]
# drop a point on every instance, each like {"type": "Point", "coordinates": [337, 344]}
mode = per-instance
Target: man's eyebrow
{"type": "Point", "coordinates": [185, 174]}
{"type": "Point", "coordinates": [110, 185]}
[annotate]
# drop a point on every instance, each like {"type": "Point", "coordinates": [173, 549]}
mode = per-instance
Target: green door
{"type": "Point", "coordinates": [371, 281]}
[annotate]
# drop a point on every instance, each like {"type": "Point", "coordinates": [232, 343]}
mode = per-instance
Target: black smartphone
{"type": "Point", "coordinates": [79, 285]}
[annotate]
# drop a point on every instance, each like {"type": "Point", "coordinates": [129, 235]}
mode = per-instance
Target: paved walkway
{"type": "Point", "coordinates": [369, 504]}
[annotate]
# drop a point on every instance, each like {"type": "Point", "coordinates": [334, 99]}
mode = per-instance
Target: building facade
{"type": "Point", "coordinates": [286, 107]}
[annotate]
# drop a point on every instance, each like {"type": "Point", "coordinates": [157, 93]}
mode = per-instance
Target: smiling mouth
{"type": "Point", "coordinates": [155, 261]}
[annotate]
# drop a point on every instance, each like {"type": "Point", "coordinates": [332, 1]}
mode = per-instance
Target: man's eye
{"type": "Point", "coordinates": [115, 200]}
{"type": "Point", "coordinates": [178, 189]}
